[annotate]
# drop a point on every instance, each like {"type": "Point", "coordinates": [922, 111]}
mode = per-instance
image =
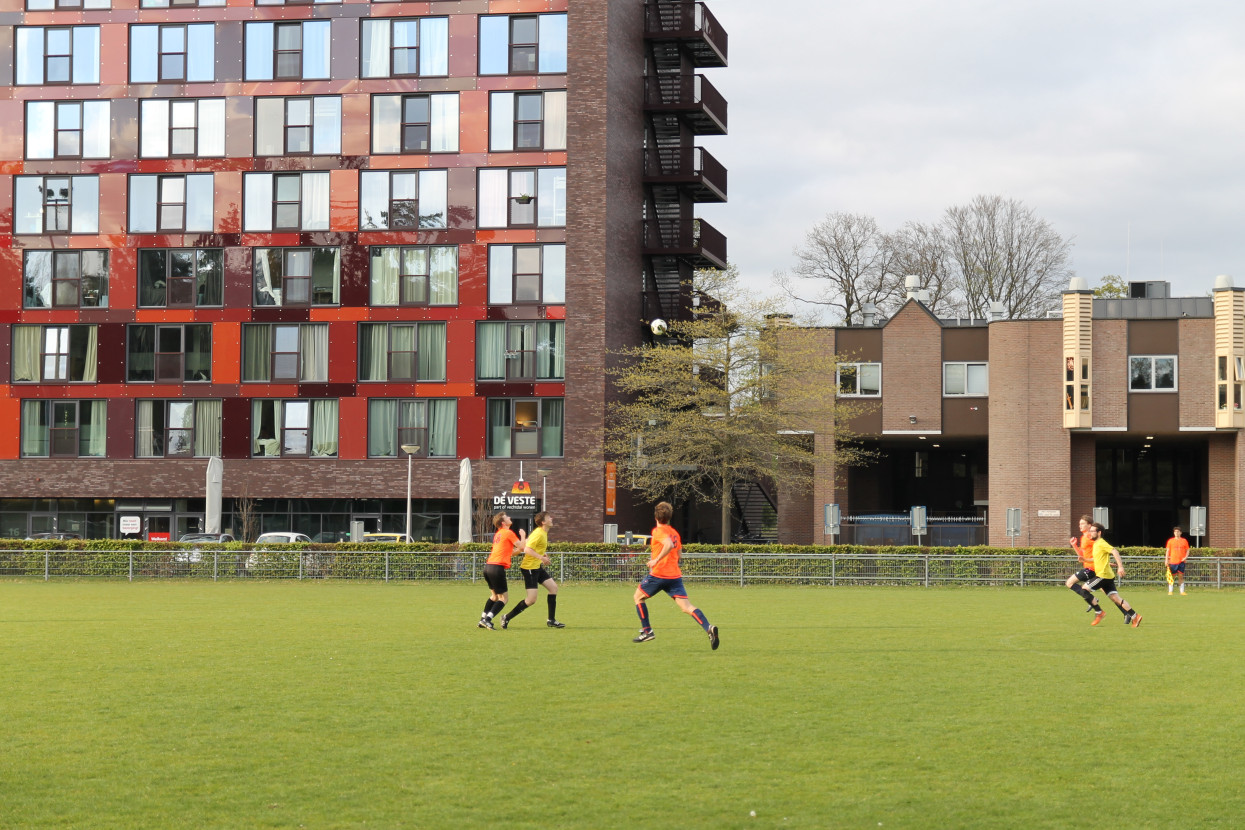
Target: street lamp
{"type": "Point", "coordinates": [410, 450]}
{"type": "Point", "coordinates": [543, 475]}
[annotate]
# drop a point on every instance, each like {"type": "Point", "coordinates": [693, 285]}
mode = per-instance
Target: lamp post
{"type": "Point", "coordinates": [410, 450]}
{"type": "Point", "coordinates": [543, 475]}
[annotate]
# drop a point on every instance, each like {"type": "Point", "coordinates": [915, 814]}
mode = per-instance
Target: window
{"type": "Point", "coordinates": [298, 126]}
{"type": "Point", "coordinates": [64, 429]}
{"type": "Point", "coordinates": [280, 353]}
{"type": "Point", "coordinates": [527, 121]}
{"type": "Point", "coordinates": [292, 2]}
{"type": "Point", "coordinates": [57, 55]}
{"type": "Point", "coordinates": [173, 53]}
{"type": "Point", "coordinates": [1233, 378]}
{"type": "Point", "coordinates": [67, 129]}
{"type": "Point", "coordinates": [1071, 382]}
{"type": "Point", "coordinates": [1152, 373]}
{"type": "Point", "coordinates": [55, 354]}
{"type": "Point", "coordinates": [56, 204]}
{"type": "Point", "coordinates": [403, 200]}
{"type": "Point", "coordinates": [522, 44]}
{"type": "Point", "coordinates": [413, 275]}
{"type": "Point", "coordinates": [297, 276]}
{"type": "Point", "coordinates": [293, 429]}
{"type": "Point", "coordinates": [527, 274]}
{"type": "Point", "coordinates": [169, 353]}
{"type": "Point", "coordinates": [62, 5]}
{"type": "Point", "coordinates": [521, 351]}
{"type": "Point", "coordinates": [180, 277]}
{"type": "Point", "coordinates": [285, 201]}
{"type": "Point", "coordinates": [405, 47]}
{"type": "Point", "coordinates": [177, 428]}
{"type": "Point", "coordinates": [179, 4]}
{"type": "Point", "coordinates": [65, 279]}
{"type": "Point", "coordinates": [402, 352]}
{"type": "Point", "coordinates": [860, 380]}
{"type": "Point", "coordinates": [287, 51]}
{"type": "Point", "coordinates": [182, 128]}
{"type": "Point", "coordinates": [430, 425]}
{"type": "Point", "coordinates": [965, 379]}
{"type": "Point", "coordinates": [415, 123]}
{"type": "Point", "coordinates": [171, 204]}
{"type": "Point", "coordinates": [525, 427]}
{"type": "Point", "coordinates": [523, 198]}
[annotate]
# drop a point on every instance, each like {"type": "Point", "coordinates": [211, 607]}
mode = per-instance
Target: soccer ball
{"type": "Point", "coordinates": [659, 326]}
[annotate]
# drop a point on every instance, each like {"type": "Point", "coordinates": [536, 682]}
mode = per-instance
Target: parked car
{"type": "Point", "coordinates": [637, 539]}
{"type": "Point", "coordinates": [386, 538]}
{"type": "Point", "coordinates": [57, 535]}
{"type": "Point", "coordinates": [282, 538]}
{"type": "Point", "coordinates": [219, 538]}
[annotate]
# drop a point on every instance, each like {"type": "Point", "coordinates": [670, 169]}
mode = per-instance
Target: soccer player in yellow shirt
{"type": "Point", "coordinates": [534, 574]}
{"type": "Point", "coordinates": [1104, 577]}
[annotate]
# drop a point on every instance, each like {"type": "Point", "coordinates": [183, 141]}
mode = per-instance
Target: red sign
{"type": "Point", "coordinates": [611, 485]}
{"type": "Point", "coordinates": [521, 488]}
{"type": "Point", "coordinates": [157, 537]}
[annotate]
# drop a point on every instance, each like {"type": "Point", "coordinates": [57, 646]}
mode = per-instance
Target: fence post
{"type": "Point", "coordinates": [131, 566]}
{"type": "Point", "coordinates": [386, 566]}
{"type": "Point", "coordinates": [1218, 572]}
{"type": "Point", "coordinates": [300, 564]}
{"type": "Point", "coordinates": [561, 567]}
{"type": "Point", "coordinates": [473, 566]}
{"type": "Point", "coordinates": [834, 562]}
{"type": "Point", "coordinates": [1022, 570]}
{"type": "Point", "coordinates": [926, 558]}
{"type": "Point", "coordinates": [47, 555]}
{"type": "Point", "coordinates": [741, 569]}
{"type": "Point", "coordinates": [215, 564]}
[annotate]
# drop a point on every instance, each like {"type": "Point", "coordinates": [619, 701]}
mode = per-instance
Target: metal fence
{"type": "Point", "coordinates": [925, 569]}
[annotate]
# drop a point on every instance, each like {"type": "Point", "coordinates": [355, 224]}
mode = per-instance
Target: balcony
{"type": "Point", "coordinates": [690, 97]}
{"type": "Point", "coordinates": [692, 240]}
{"type": "Point", "coordinates": [691, 25]}
{"type": "Point", "coordinates": [691, 169]}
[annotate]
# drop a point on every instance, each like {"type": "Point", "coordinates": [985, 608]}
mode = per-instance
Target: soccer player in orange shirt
{"type": "Point", "coordinates": [505, 545]}
{"type": "Point", "coordinates": [1085, 553]}
{"type": "Point", "coordinates": [1177, 553]}
{"type": "Point", "coordinates": [664, 575]}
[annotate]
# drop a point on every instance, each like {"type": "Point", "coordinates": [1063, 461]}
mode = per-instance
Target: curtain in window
{"type": "Point", "coordinates": [551, 427]}
{"type": "Point", "coordinates": [382, 428]}
{"type": "Point", "coordinates": [555, 120]}
{"type": "Point", "coordinates": [442, 435]}
{"type": "Point", "coordinates": [267, 276]}
{"type": "Point", "coordinates": [375, 51]}
{"type": "Point", "coordinates": [26, 341]}
{"type": "Point", "coordinates": [315, 215]}
{"type": "Point", "coordinates": [444, 137]}
{"type": "Point", "coordinates": [265, 427]}
{"type": "Point", "coordinates": [443, 275]}
{"type": "Point", "coordinates": [35, 429]}
{"type": "Point", "coordinates": [500, 274]}
{"type": "Point", "coordinates": [374, 355]}
{"type": "Point", "coordinates": [431, 351]}
{"type": "Point", "coordinates": [90, 358]}
{"type": "Point", "coordinates": [491, 351]}
{"type": "Point", "coordinates": [313, 348]}
{"type": "Point", "coordinates": [434, 48]}
{"type": "Point", "coordinates": [256, 352]}
{"type": "Point", "coordinates": [92, 428]}
{"type": "Point", "coordinates": [383, 276]}
{"type": "Point", "coordinates": [550, 350]}
{"type": "Point", "coordinates": [551, 197]}
{"type": "Point", "coordinates": [324, 429]}
{"type": "Point", "coordinates": [501, 122]}
{"type": "Point", "coordinates": [494, 187]}
{"type": "Point", "coordinates": [326, 275]}
{"type": "Point", "coordinates": [553, 280]}
{"type": "Point", "coordinates": [143, 428]}
{"type": "Point", "coordinates": [207, 428]}
{"type": "Point", "coordinates": [499, 428]}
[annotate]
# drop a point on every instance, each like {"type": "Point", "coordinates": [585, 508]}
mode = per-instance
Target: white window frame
{"type": "Point", "coordinates": [1153, 360]}
{"type": "Point", "coordinates": [857, 366]}
{"type": "Point", "coordinates": [967, 366]}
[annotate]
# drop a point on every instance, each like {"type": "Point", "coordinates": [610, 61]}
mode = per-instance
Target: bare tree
{"type": "Point", "coordinates": [846, 260]}
{"type": "Point", "coordinates": [924, 251]}
{"type": "Point", "coordinates": [1005, 253]}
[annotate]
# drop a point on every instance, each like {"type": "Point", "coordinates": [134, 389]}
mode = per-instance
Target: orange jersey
{"type": "Point", "coordinates": [667, 568]}
{"type": "Point", "coordinates": [1177, 550]}
{"type": "Point", "coordinates": [1086, 551]}
{"type": "Point", "coordinates": [504, 541]}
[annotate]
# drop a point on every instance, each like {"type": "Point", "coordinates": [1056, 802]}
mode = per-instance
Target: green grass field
{"type": "Point", "coordinates": [263, 704]}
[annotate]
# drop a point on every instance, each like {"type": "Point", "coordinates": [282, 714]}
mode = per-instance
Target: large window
{"type": "Point", "coordinates": [173, 53]}
{"type": "Point", "coordinates": [170, 353]}
{"type": "Point", "coordinates": [66, 5]}
{"type": "Point", "coordinates": [527, 121]}
{"type": "Point", "coordinates": [287, 51]}
{"type": "Point", "coordinates": [57, 55]}
{"type": "Point", "coordinates": [402, 352]}
{"type": "Point", "coordinates": [180, 277]}
{"type": "Point", "coordinates": [525, 427]}
{"type": "Point", "coordinates": [860, 380]}
{"type": "Point", "coordinates": [55, 354]}
{"type": "Point", "coordinates": [285, 353]}
{"type": "Point", "coordinates": [293, 429]}
{"type": "Point", "coordinates": [523, 198]}
{"type": "Point", "coordinates": [56, 204]}
{"type": "Point", "coordinates": [182, 128]}
{"type": "Point", "coordinates": [179, 4]}
{"type": "Point", "coordinates": [298, 126]}
{"type": "Point", "coordinates": [415, 123]}
{"type": "Point", "coordinates": [1152, 373]}
{"type": "Point", "coordinates": [65, 279]}
{"type": "Point", "coordinates": [297, 276]}
{"type": "Point", "coordinates": [413, 275]}
{"type": "Point", "coordinates": [534, 274]}
{"type": "Point", "coordinates": [534, 350]}
{"type": "Point", "coordinates": [285, 201]}
{"type": "Point", "coordinates": [177, 428]}
{"type": "Point", "coordinates": [405, 47]}
{"type": "Point", "coordinates": [522, 44]}
{"type": "Point", "coordinates": [403, 200]}
{"type": "Point", "coordinates": [171, 203]}
{"type": "Point", "coordinates": [429, 424]}
{"type": "Point", "coordinates": [67, 129]}
{"type": "Point", "coordinates": [64, 429]}
{"type": "Point", "coordinates": [1229, 374]}
{"type": "Point", "coordinates": [967, 379]}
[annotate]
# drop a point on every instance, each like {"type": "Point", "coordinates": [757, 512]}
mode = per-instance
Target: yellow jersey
{"type": "Point", "coordinates": [1102, 558]}
{"type": "Point", "coordinates": [538, 541]}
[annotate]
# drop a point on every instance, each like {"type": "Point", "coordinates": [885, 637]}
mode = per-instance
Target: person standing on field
{"type": "Point", "coordinates": [534, 574]}
{"type": "Point", "coordinates": [664, 575]}
{"type": "Point", "coordinates": [1177, 553]}
{"type": "Point", "coordinates": [1104, 577]}
{"type": "Point", "coordinates": [1084, 551]}
{"type": "Point", "coordinates": [505, 545]}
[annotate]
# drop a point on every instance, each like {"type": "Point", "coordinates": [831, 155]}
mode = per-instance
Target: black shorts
{"type": "Point", "coordinates": [533, 578]}
{"type": "Point", "coordinates": [495, 578]}
{"type": "Point", "coordinates": [1084, 575]}
{"type": "Point", "coordinates": [1107, 586]}
{"type": "Point", "coordinates": [1178, 568]}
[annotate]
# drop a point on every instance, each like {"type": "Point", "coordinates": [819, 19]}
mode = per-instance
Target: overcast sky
{"type": "Point", "coordinates": [1110, 119]}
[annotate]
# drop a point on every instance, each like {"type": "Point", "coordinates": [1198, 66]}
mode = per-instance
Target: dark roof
{"type": "Point", "coordinates": [1153, 308]}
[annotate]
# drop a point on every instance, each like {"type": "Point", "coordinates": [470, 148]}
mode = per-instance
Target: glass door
{"type": "Point", "coordinates": [159, 527]}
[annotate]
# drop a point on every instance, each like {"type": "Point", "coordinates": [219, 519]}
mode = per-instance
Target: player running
{"type": "Point", "coordinates": [664, 575]}
{"type": "Point", "coordinates": [1177, 553]}
{"type": "Point", "coordinates": [505, 545]}
{"type": "Point", "coordinates": [534, 574]}
{"type": "Point", "coordinates": [1084, 551]}
{"type": "Point", "coordinates": [1104, 577]}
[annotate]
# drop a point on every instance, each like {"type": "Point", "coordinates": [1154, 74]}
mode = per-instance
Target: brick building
{"type": "Point", "coordinates": [303, 236]}
{"type": "Point", "coordinates": [1130, 404]}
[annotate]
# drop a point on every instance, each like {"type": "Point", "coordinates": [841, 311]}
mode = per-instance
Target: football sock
{"type": "Point", "coordinates": [553, 606]}
{"type": "Point", "coordinates": [1088, 596]}
{"type": "Point", "coordinates": [498, 607]}
{"type": "Point", "coordinates": [700, 617]}
{"type": "Point", "coordinates": [517, 609]}
{"type": "Point", "coordinates": [642, 610]}
{"type": "Point", "coordinates": [488, 606]}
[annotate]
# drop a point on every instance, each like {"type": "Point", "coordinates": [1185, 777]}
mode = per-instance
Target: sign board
{"type": "Point", "coordinates": [918, 521]}
{"type": "Point", "coordinates": [611, 488]}
{"type": "Point", "coordinates": [1013, 521]}
{"type": "Point", "coordinates": [1048, 514]}
{"type": "Point", "coordinates": [1197, 521]}
{"type": "Point", "coordinates": [158, 537]}
{"type": "Point", "coordinates": [831, 520]}
{"type": "Point", "coordinates": [130, 524]}
{"type": "Point", "coordinates": [519, 503]}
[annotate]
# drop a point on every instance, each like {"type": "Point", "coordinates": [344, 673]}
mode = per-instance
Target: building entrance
{"type": "Point", "coordinates": [1148, 488]}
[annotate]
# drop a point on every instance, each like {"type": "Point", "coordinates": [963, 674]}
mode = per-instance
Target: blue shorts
{"type": "Point", "coordinates": [1177, 568]}
{"type": "Point", "coordinates": [651, 585]}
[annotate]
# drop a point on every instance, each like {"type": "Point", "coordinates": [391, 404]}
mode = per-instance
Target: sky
{"type": "Point", "coordinates": [1122, 124]}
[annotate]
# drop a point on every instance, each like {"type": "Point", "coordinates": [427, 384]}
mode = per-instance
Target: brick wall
{"type": "Point", "coordinates": [912, 370]}
{"type": "Point", "coordinates": [1109, 374]}
{"type": "Point", "coordinates": [1197, 373]}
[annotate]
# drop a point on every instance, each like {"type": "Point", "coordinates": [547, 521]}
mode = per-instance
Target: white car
{"type": "Point", "coordinates": [282, 538]}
